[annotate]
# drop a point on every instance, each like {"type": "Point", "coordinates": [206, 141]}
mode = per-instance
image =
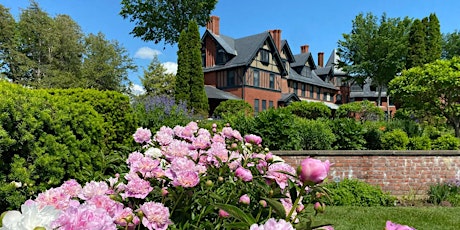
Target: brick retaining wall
{"type": "Point", "coordinates": [397, 172]}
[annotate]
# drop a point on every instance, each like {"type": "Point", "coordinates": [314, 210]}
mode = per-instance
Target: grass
{"type": "Point", "coordinates": [369, 218]}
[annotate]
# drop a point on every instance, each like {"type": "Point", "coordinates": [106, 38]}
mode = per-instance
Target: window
{"type": "Point", "coordinates": [318, 93]}
{"type": "Point", "coordinates": [295, 87]}
{"type": "Point", "coordinates": [256, 78]}
{"type": "Point", "coordinates": [264, 56]}
{"type": "Point", "coordinates": [221, 57]}
{"type": "Point", "coordinates": [311, 91]}
{"type": "Point", "coordinates": [303, 90]}
{"type": "Point", "coordinates": [256, 106]}
{"type": "Point", "coordinates": [272, 81]}
{"type": "Point", "coordinates": [330, 97]}
{"type": "Point", "coordinates": [270, 104]}
{"type": "Point", "coordinates": [264, 105]}
{"type": "Point", "coordinates": [325, 96]}
{"type": "Point", "coordinates": [231, 78]}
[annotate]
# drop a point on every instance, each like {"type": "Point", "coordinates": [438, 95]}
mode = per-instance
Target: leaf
{"type": "Point", "coordinates": [292, 191]}
{"type": "Point", "coordinates": [237, 213]}
{"type": "Point", "coordinates": [236, 225]}
{"type": "Point", "coordinates": [279, 208]}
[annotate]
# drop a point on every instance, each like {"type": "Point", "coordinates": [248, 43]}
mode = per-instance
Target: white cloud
{"type": "Point", "coordinates": [171, 67]}
{"type": "Point", "coordinates": [146, 53]}
{"type": "Point", "coordinates": [137, 89]}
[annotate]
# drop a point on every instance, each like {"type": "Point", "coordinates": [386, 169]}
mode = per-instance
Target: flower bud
{"type": "Point", "coordinates": [269, 157]}
{"type": "Point", "coordinates": [263, 203]}
{"type": "Point", "coordinates": [312, 171]}
{"type": "Point", "coordinates": [129, 218]}
{"type": "Point", "coordinates": [244, 199]}
{"type": "Point", "coordinates": [164, 191]}
{"type": "Point", "coordinates": [220, 179]}
{"type": "Point", "coordinates": [223, 213]}
{"type": "Point", "coordinates": [243, 174]}
{"type": "Point", "coordinates": [39, 228]}
{"type": "Point", "coordinates": [319, 207]}
{"type": "Point", "coordinates": [214, 125]}
{"type": "Point", "coordinates": [209, 183]}
{"type": "Point", "coordinates": [300, 208]}
{"type": "Point", "coordinates": [214, 130]}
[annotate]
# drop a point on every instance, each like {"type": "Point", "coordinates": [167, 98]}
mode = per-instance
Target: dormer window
{"type": "Point", "coordinates": [221, 57]}
{"type": "Point", "coordinates": [264, 56]}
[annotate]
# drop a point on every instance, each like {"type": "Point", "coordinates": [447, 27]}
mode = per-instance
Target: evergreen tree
{"type": "Point", "coordinates": [417, 49]}
{"type": "Point", "coordinates": [433, 39]}
{"type": "Point", "coordinates": [451, 45]}
{"type": "Point", "coordinates": [190, 77]}
{"type": "Point", "coordinates": [156, 81]}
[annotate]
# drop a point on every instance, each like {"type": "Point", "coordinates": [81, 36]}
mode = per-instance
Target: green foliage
{"type": "Point", "coordinates": [310, 110]}
{"type": "Point", "coordinates": [432, 89]}
{"type": "Point", "coordinates": [446, 142]}
{"type": "Point", "coordinates": [372, 135]}
{"type": "Point", "coordinates": [47, 139]}
{"type": "Point", "coordinates": [162, 20]}
{"type": "Point", "coordinates": [315, 134]}
{"type": "Point", "coordinates": [395, 140]}
{"type": "Point", "coordinates": [451, 45]}
{"type": "Point", "coordinates": [417, 47]}
{"type": "Point", "coordinates": [364, 110]}
{"type": "Point", "coordinates": [419, 143]}
{"type": "Point", "coordinates": [412, 128]}
{"type": "Point", "coordinates": [349, 134]}
{"type": "Point", "coordinates": [241, 122]}
{"type": "Point", "coordinates": [153, 112]}
{"type": "Point", "coordinates": [119, 120]}
{"type": "Point", "coordinates": [190, 77]}
{"type": "Point", "coordinates": [278, 129]}
{"type": "Point", "coordinates": [353, 192]}
{"type": "Point", "coordinates": [230, 107]}
{"type": "Point", "coordinates": [448, 191]}
{"type": "Point", "coordinates": [433, 39]}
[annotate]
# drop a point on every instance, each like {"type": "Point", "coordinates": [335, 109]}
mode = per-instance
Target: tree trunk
{"type": "Point", "coordinates": [457, 128]}
{"type": "Point", "coordinates": [379, 96]}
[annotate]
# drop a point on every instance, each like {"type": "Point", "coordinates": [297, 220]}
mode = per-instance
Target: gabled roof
{"type": "Point", "coordinates": [334, 61]}
{"type": "Point", "coordinates": [312, 80]}
{"type": "Point", "coordinates": [302, 59]}
{"type": "Point", "coordinates": [285, 46]}
{"type": "Point", "coordinates": [287, 97]}
{"type": "Point", "coordinates": [324, 70]}
{"type": "Point", "coordinates": [245, 49]}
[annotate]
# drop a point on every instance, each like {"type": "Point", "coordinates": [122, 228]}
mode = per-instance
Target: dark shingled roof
{"type": "Point", "coordinates": [214, 93]}
{"type": "Point", "coordinates": [323, 71]}
{"type": "Point", "coordinates": [313, 79]}
{"type": "Point", "coordinates": [301, 59]}
{"type": "Point", "coordinates": [286, 97]}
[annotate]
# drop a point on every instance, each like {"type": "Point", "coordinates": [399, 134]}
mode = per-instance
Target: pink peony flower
{"type": "Point", "coordinates": [142, 135]}
{"type": "Point", "coordinates": [126, 217]}
{"type": "Point", "coordinates": [86, 216]}
{"type": "Point", "coordinates": [71, 187]}
{"type": "Point", "coordinates": [164, 136]}
{"type": "Point", "coordinates": [201, 142]}
{"type": "Point", "coordinates": [276, 172]}
{"type": "Point", "coordinates": [253, 139]}
{"type": "Point", "coordinates": [156, 216]}
{"type": "Point", "coordinates": [55, 197]}
{"type": "Point", "coordinates": [312, 171]}
{"type": "Point", "coordinates": [106, 203]}
{"type": "Point", "coordinates": [244, 199]}
{"type": "Point", "coordinates": [176, 148]}
{"type": "Point", "coordinates": [243, 174]}
{"type": "Point", "coordinates": [272, 224]}
{"type": "Point", "coordinates": [394, 226]}
{"type": "Point", "coordinates": [223, 214]}
{"type": "Point", "coordinates": [93, 189]}
{"type": "Point", "coordinates": [186, 179]}
{"type": "Point", "coordinates": [137, 188]}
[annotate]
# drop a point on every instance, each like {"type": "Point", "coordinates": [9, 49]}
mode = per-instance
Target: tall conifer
{"type": "Point", "coordinates": [417, 49]}
{"type": "Point", "coordinates": [433, 39]}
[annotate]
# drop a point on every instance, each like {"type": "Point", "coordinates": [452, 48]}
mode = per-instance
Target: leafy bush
{"type": "Point", "coordinates": [448, 191]}
{"type": "Point", "coordinates": [230, 107]}
{"type": "Point", "coordinates": [372, 134]}
{"type": "Point", "coordinates": [310, 110]}
{"type": "Point", "coordinates": [364, 110]}
{"type": "Point", "coordinates": [153, 112]}
{"type": "Point", "coordinates": [239, 121]}
{"type": "Point", "coordinates": [353, 192]}
{"type": "Point", "coordinates": [395, 140]}
{"type": "Point", "coordinates": [278, 130]}
{"type": "Point", "coordinates": [114, 107]}
{"type": "Point", "coordinates": [446, 142]}
{"type": "Point", "coordinates": [45, 140]}
{"type": "Point", "coordinates": [349, 134]}
{"type": "Point", "coordinates": [419, 143]}
{"type": "Point", "coordinates": [412, 128]}
{"type": "Point", "coordinates": [315, 134]}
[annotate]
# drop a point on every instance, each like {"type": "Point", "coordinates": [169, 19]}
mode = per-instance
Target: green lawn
{"type": "Point", "coordinates": [355, 218]}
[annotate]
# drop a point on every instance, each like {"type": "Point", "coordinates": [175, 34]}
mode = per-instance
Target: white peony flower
{"type": "Point", "coordinates": [31, 217]}
{"type": "Point", "coordinates": [154, 153]}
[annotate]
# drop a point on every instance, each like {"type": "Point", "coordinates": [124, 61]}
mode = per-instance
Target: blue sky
{"type": "Point", "coordinates": [319, 23]}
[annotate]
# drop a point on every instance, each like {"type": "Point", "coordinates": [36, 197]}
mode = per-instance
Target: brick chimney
{"type": "Point", "coordinates": [276, 35]}
{"type": "Point", "coordinates": [304, 49]}
{"type": "Point", "coordinates": [320, 59]}
{"type": "Point", "coordinates": [213, 24]}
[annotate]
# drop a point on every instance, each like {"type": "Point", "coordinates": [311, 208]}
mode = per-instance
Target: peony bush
{"type": "Point", "coordinates": [186, 177]}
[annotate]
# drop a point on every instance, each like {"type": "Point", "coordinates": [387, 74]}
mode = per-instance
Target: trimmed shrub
{"type": "Point", "coordinates": [309, 110]}
{"type": "Point", "coordinates": [353, 192]}
{"type": "Point", "coordinates": [231, 107]}
{"type": "Point", "coordinates": [446, 142]}
{"type": "Point", "coordinates": [363, 110]}
{"type": "Point", "coordinates": [153, 112]}
{"type": "Point", "coordinates": [412, 128]}
{"type": "Point", "coordinates": [372, 135]}
{"type": "Point", "coordinates": [315, 134]}
{"type": "Point", "coordinates": [277, 129]}
{"type": "Point", "coordinates": [419, 143]}
{"type": "Point", "coordinates": [239, 121]}
{"type": "Point", "coordinates": [349, 134]}
{"type": "Point", "coordinates": [45, 141]}
{"type": "Point", "coordinates": [395, 140]}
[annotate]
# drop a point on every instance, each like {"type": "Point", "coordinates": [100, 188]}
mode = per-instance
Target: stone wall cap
{"type": "Point", "coordinates": [367, 153]}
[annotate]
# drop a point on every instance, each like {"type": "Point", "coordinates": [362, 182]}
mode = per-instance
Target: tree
{"type": "Point", "coordinates": [417, 49]}
{"type": "Point", "coordinates": [433, 39]}
{"type": "Point", "coordinates": [156, 81]}
{"type": "Point", "coordinates": [433, 88]}
{"type": "Point", "coordinates": [374, 50]}
{"type": "Point", "coordinates": [190, 77]}
{"type": "Point", "coordinates": [105, 64]}
{"type": "Point", "coordinates": [451, 45]}
{"type": "Point", "coordinates": [164, 20]}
